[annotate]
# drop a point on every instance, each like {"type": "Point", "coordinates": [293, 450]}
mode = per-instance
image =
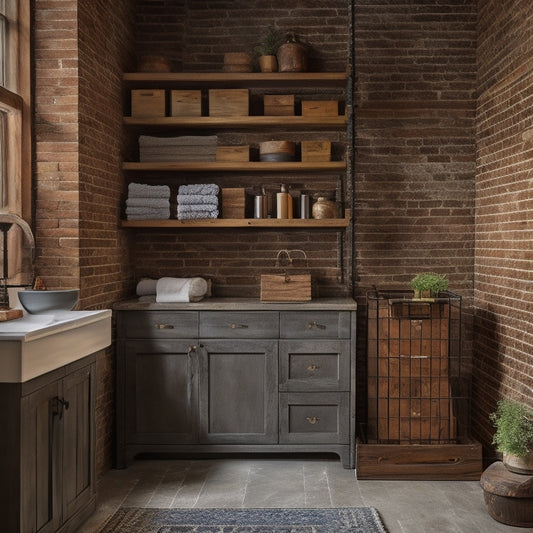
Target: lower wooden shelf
{"type": "Point", "coordinates": [291, 223]}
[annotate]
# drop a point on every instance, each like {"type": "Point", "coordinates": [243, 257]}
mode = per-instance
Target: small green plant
{"type": "Point", "coordinates": [429, 281]}
{"type": "Point", "coordinates": [514, 428]}
{"type": "Point", "coordinates": [270, 42]}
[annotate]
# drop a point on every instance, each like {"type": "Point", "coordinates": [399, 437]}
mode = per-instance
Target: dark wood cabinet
{"type": "Point", "coordinates": [251, 377]}
{"type": "Point", "coordinates": [47, 453]}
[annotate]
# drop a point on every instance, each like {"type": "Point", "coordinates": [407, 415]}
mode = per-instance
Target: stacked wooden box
{"type": "Point", "coordinates": [188, 148]}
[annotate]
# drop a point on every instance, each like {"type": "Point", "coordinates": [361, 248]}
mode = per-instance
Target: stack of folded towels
{"type": "Point", "coordinates": [168, 290]}
{"type": "Point", "coordinates": [146, 202]}
{"type": "Point", "coordinates": [199, 200]}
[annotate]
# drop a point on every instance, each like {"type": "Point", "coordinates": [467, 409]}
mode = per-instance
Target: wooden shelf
{"type": "Point", "coordinates": [247, 121]}
{"type": "Point", "coordinates": [234, 166]}
{"type": "Point", "coordinates": [237, 79]}
{"type": "Point", "coordinates": [328, 223]}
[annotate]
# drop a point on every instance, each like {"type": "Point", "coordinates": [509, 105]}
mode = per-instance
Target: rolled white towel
{"type": "Point", "coordinates": [146, 287]}
{"type": "Point", "coordinates": [180, 289]}
{"type": "Point", "coordinates": [198, 199]}
{"type": "Point", "coordinates": [199, 188]}
{"type": "Point", "coordinates": [141, 190]}
{"type": "Point", "coordinates": [148, 202]}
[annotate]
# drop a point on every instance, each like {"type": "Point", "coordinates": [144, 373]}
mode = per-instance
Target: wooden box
{"type": "Point", "coordinates": [233, 201]}
{"type": "Point", "coordinates": [286, 287]}
{"type": "Point", "coordinates": [148, 103]}
{"type": "Point", "coordinates": [278, 104]}
{"type": "Point", "coordinates": [316, 151]}
{"type": "Point", "coordinates": [319, 108]}
{"type": "Point", "coordinates": [185, 103]}
{"type": "Point", "coordinates": [233, 153]}
{"type": "Point", "coordinates": [229, 102]}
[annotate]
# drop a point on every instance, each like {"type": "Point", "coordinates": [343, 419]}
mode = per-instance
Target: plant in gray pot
{"type": "Point", "coordinates": [428, 285]}
{"type": "Point", "coordinates": [514, 435]}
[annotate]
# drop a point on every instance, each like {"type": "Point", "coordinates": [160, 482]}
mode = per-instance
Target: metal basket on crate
{"type": "Point", "coordinates": [416, 390]}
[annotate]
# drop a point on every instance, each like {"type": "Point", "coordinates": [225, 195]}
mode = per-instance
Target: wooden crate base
{"type": "Point", "coordinates": [460, 462]}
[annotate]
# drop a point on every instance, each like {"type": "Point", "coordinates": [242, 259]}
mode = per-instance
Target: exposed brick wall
{"type": "Point", "coordinates": [503, 346]}
{"type": "Point", "coordinates": [415, 152]}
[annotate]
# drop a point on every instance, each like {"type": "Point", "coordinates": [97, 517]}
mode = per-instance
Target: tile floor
{"type": "Point", "coordinates": [405, 507]}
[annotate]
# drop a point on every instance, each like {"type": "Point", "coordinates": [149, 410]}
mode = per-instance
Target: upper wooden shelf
{"type": "Point", "coordinates": [235, 166]}
{"type": "Point", "coordinates": [245, 121]}
{"type": "Point", "coordinates": [237, 79]}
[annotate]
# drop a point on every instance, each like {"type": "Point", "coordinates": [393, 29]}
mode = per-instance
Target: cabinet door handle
{"type": "Point", "coordinates": [313, 368]}
{"type": "Point", "coordinates": [164, 326]}
{"type": "Point", "coordinates": [239, 326]}
{"type": "Point", "coordinates": [315, 325]}
{"type": "Point", "coordinates": [59, 405]}
{"type": "Point", "coordinates": [191, 348]}
{"type": "Point", "coordinates": [312, 420]}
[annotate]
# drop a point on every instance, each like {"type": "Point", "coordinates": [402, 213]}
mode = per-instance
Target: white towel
{"type": "Point", "coordinates": [199, 188]}
{"type": "Point", "coordinates": [148, 202]}
{"type": "Point", "coordinates": [199, 199]}
{"type": "Point", "coordinates": [141, 190]}
{"type": "Point", "coordinates": [146, 287]}
{"type": "Point", "coordinates": [180, 289]}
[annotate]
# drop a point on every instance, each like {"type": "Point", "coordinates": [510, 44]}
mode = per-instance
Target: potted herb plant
{"type": "Point", "coordinates": [267, 49]}
{"type": "Point", "coordinates": [428, 284]}
{"type": "Point", "coordinates": [514, 435]}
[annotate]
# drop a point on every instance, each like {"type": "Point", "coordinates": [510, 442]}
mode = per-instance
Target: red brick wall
{"type": "Point", "coordinates": [415, 152]}
{"type": "Point", "coordinates": [503, 354]}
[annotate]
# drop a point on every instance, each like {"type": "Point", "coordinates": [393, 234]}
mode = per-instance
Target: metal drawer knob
{"type": "Point", "coordinates": [164, 326]}
{"type": "Point", "coordinates": [315, 325]}
{"type": "Point", "coordinates": [239, 326]}
{"type": "Point", "coordinates": [312, 420]}
{"type": "Point", "coordinates": [313, 368]}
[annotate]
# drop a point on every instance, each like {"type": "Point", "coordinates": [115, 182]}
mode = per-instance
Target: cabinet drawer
{"type": "Point", "coordinates": [315, 325]}
{"type": "Point", "coordinates": [314, 365]}
{"type": "Point", "coordinates": [231, 325]}
{"type": "Point", "coordinates": [157, 324]}
{"type": "Point", "coordinates": [318, 418]}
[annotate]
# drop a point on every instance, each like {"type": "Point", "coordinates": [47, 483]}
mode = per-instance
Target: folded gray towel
{"type": "Point", "coordinates": [147, 213]}
{"type": "Point", "coordinates": [148, 202]}
{"type": "Point", "coordinates": [194, 208]}
{"type": "Point", "coordinates": [197, 199]}
{"type": "Point", "coordinates": [203, 211]}
{"type": "Point", "coordinates": [141, 190]}
{"type": "Point", "coordinates": [199, 188]}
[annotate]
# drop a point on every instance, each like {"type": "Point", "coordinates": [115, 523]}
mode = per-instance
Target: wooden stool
{"type": "Point", "coordinates": [508, 496]}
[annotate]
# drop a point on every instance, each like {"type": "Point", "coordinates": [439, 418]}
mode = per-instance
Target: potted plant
{"type": "Point", "coordinates": [514, 435]}
{"type": "Point", "coordinates": [428, 284]}
{"type": "Point", "coordinates": [267, 50]}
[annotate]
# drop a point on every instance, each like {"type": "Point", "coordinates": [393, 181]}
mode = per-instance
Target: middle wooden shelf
{"type": "Point", "coordinates": [234, 166]}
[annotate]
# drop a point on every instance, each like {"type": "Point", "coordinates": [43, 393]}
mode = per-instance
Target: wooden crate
{"type": "Point", "coordinates": [233, 153]}
{"type": "Point", "coordinates": [316, 150]}
{"type": "Point", "coordinates": [285, 287]}
{"type": "Point", "coordinates": [185, 103]}
{"type": "Point", "coordinates": [148, 103]}
{"type": "Point", "coordinates": [229, 102]}
{"type": "Point", "coordinates": [320, 108]}
{"type": "Point", "coordinates": [233, 201]}
{"type": "Point", "coordinates": [461, 462]}
{"type": "Point", "coordinates": [278, 104]}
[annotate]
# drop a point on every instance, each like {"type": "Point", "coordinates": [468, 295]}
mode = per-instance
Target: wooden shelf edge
{"type": "Point", "coordinates": [235, 166]}
{"type": "Point", "coordinates": [245, 121]}
{"type": "Point", "coordinates": [241, 223]}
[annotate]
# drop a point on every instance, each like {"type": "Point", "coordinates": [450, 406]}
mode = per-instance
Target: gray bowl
{"type": "Point", "coordinates": [38, 302]}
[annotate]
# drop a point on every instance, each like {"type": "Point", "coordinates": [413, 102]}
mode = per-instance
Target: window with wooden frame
{"type": "Point", "coordinates": [15, 108]}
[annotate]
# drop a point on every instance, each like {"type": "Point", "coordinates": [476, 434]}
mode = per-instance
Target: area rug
{"type": "Point", "coordinates": [336, 520]}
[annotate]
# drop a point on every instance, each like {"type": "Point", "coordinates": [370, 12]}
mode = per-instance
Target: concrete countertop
{"type": "Point", "coordinates": [237, 304]}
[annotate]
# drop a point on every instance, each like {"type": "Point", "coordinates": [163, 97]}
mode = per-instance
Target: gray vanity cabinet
{"type": "Point", "coordinates": [239, 376]}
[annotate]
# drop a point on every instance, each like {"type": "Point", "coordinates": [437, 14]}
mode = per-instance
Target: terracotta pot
{"type": "Point", "coordinates": [292, 56]}
{"type": "Point", "coordinates": [324, 208]}
{"type": "Point", "coordinates": [268, 63]}
{"type": "Point", "coordinates": [519, 465]}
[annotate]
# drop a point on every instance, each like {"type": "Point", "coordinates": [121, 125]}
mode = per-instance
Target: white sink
{"type": "Point", "coordinates": [36, 344]}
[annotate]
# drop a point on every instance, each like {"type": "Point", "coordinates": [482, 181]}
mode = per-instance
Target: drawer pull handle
{"type": "Point", "coordinates": [191, 348]}
{"type": "Point", "coordinates": [313, 368]}
{"type": "Point", "coordinates": [312, 420]}
{"type": "Point", "coordinates": [315, 325]}
{"type": "Point", "coordinates": [164, 326]}
{"type": "Point", "coordinates": [239, 326]}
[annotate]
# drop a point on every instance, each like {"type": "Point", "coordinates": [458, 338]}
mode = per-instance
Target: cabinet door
{"type": "Point", "coordinates": [40, 465]}
{"type": "Point", "coordinates": [78, 440]}
{"type": "Point", "coordinates": [239, 392]}
{"type": "Point", "coordinates": [160, 391]}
